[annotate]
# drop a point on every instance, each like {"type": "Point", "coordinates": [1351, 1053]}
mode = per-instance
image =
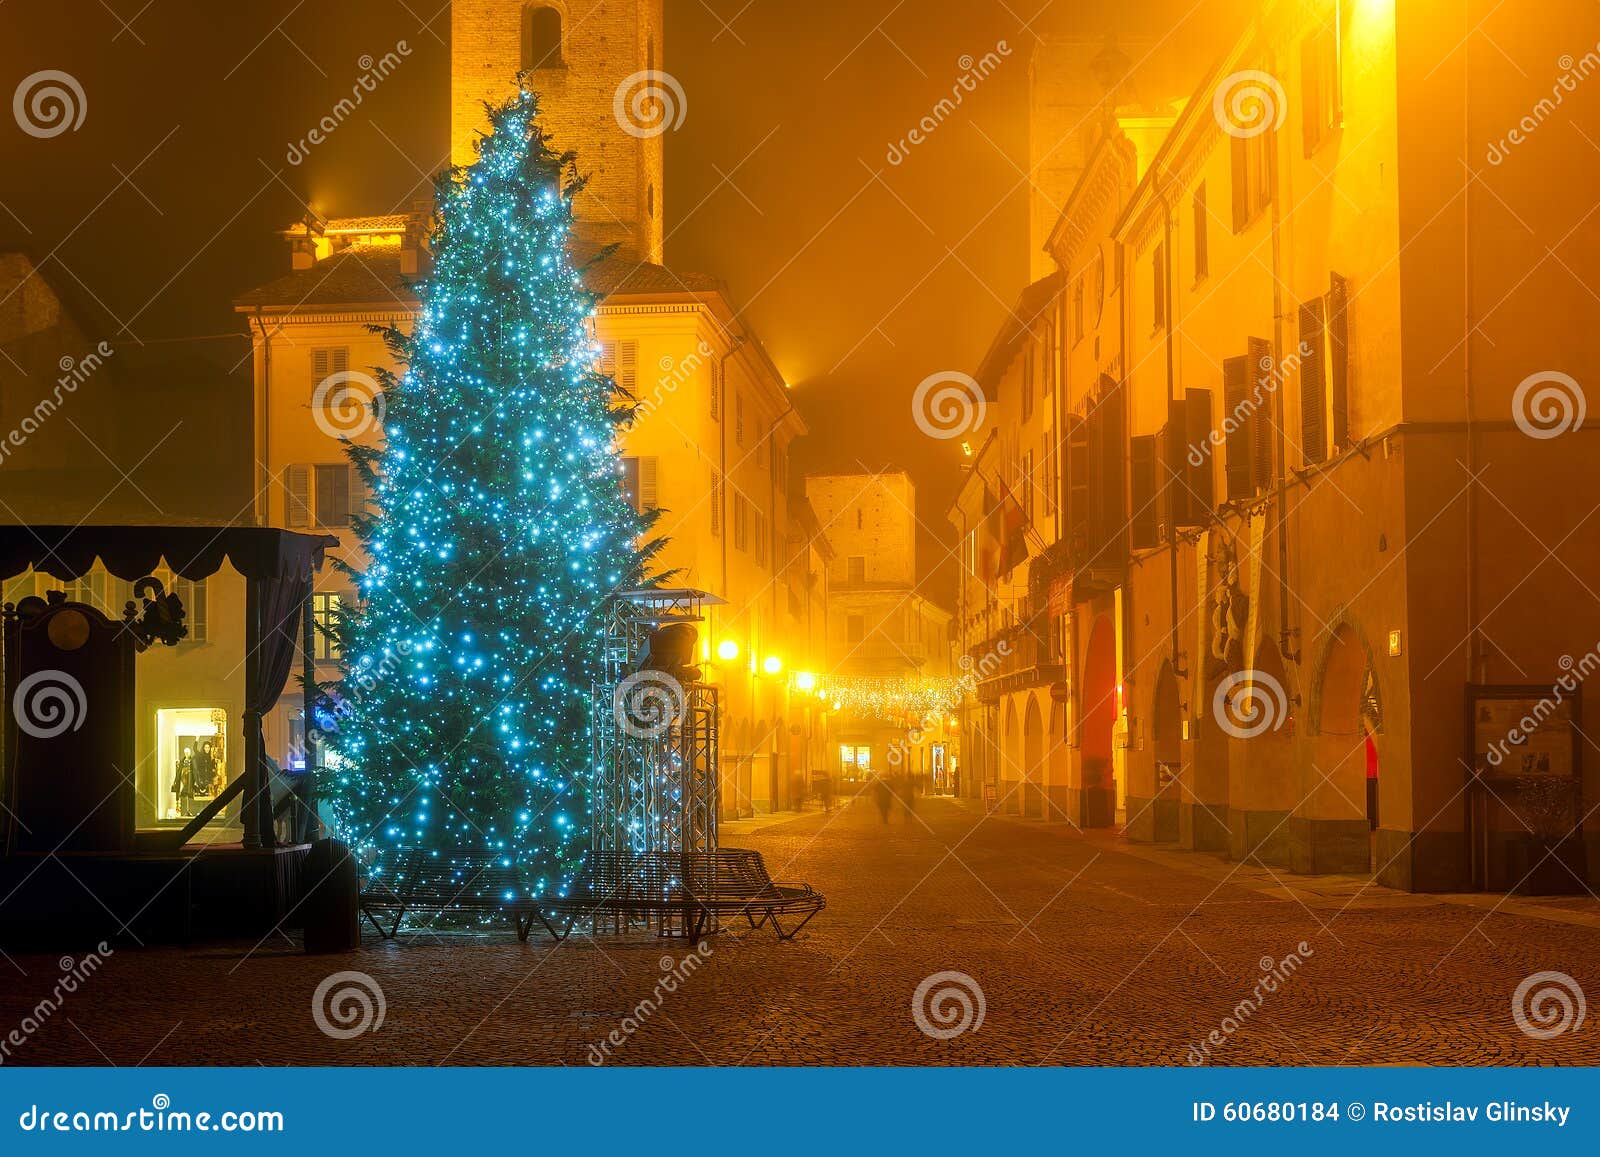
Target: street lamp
{"type": "Point", "coordinates": [772, 664]}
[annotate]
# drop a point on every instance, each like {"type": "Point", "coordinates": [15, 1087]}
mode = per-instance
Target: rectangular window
{"type": "Point", "coordinates": [324, 613]}
{"type": "Point", "coordinates": [327, 361]}
{"type": "Point", "coordinates": [192, 594]}
{"type": "Point", "coordinates": [331, 492]}
{"type": "Point", "coordinates": [1323, 104]}
{"type": "Point", "coordinates": [1077, 311]}
{"type": "Point", "coordinates": [1028, 358]}
{"type": "Point", "coordinates": [716, 502]}
{"type": "Point", "coordinates": [738, 418]}
{"type": "Point", "coordinates": [619, 361]}
{"type": "Point", "coordinates": [297, 496]}
{"type": "Point", "coordinates": [741, 522]}
{"type": "Point", "coordinates": [1158, 285]}
{"type": "Point", "coordinates": [856, 569]}
{"type": "Point", "coordinates": [716, 392]}
{"type": "Point", "coordinates": [639, 483]}
{"type": "Point", "coordinates": [1313, 383]}
{"type": "Point", "coordinates": [1202, 223]}
{"type": "Point", "coordinates": [1254, 163]}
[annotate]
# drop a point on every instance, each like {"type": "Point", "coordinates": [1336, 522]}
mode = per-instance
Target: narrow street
{"type": "Point", "coordinates": [1086, 951]}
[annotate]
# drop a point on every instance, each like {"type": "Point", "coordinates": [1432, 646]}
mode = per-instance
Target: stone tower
{"type": "Point", "coordinates": [583, 58]}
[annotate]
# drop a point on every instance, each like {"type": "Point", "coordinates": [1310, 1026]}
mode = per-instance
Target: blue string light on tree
{"type": "Point", "coordinates": [497, 528]}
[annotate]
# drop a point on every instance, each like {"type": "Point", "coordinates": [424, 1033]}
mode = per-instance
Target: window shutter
{"type": "Point", "coordinates": [716, 502]}
{"type": "Point", "coordinates": [738, 418]}
{"type": "Point", "coordinates": [332, 496]}
{"type": "Point", "coordinates": [1110, 476]}
{"type": "Point", "coordinates": [1339, 358]}
{"type": "Point", "coordinates": [1313, 384]}
{"type": "Point", "coordinates": [1202, 256]}
{"type": "Point", "coordinates": [1262, 368]}
{"type": "Point", "coordinates": [1158, 285]}
{"type": "Point", "coordinates": [1237, 421]}
{"type": "Point", "coordinates": [193, 597]}
{"type": "Point", "coordinates": [1077, 483]}
{"type": "Point", "coordinates": [630, 482]}
{"type": "Point", "coordinates": [716, 392]}
{"type": "Point", "coordinates": [329, 360]}
{"type": "Point", "coordinates": [1144, 520]}
{"type": "Point", "coordinates": [648, 494]}
{"type": "Point", "coordinates": [297, 496]}
{"type": "Point", "coordinates": [1197, 434]}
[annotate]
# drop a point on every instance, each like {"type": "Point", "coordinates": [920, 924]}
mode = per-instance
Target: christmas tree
{"type": "Point", "coordinates": [497, 528]}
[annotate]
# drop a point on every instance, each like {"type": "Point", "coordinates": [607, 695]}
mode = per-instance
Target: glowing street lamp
{"type": "Point", "coordinates": [805, 681]}
{"type": "Point", "coordinates": [727, 650]}
{"type": "Point", "coordinates": [772, 664]}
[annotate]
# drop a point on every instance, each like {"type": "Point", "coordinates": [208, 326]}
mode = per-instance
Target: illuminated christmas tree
{"type": "Point", "coordinates": [497, 528]}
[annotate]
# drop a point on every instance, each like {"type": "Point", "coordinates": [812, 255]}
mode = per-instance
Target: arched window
{"type": "Point", "coordinates": [541, 37]}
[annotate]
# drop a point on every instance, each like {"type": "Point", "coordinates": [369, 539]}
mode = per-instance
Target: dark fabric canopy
{"type": "Point", "coordinates": [131, 552]}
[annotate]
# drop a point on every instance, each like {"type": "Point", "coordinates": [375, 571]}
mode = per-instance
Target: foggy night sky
{"type": "Point", "coordinates": [165, 204]}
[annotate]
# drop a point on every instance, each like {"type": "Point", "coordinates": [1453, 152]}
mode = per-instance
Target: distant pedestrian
{"type": "Point", "coordinates": [908, 795]}
{"type": "Point", "coordinates": [825, 787]}
{"type": "Point", "coordinates": [882, 795]}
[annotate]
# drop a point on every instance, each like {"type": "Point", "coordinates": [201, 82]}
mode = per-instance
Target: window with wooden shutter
{"type": "Point", "coordinates": [192, 594]}
{"type": "Point", "coordinates": [1339, 359]}
{"type": "Point", "coordinates": [619, 361]}
{"type": "Point", "coordinates": [1197, 436]}
{"type": "Point", "coordinates": [1027, 378]}
{"type": "Point", "coordinates": [297, 496]}
{"type": "Point", "coordinates": [1313, 383]}
{"type": "Point", "coordinates": [1262, 372]}
{"type": "Point", "coordinates": [331, 496]}
{"type": "Point", "coordinates": [1158, 285]}
{"type": "Point", "coordinates": [741, 522]}
{"type": "Point", "coordinates": [329, 360]}
{"type": "Point", "coordinates": [630, 481]}
{"type": "Point", "coordinates": [1077, 445]}
{"type": "Point", "coordinates": [1108, 473]}
{"type": "Point", "coordinates": [1143, 520]}
{"type": "Point", "coordinates": [738, 418]}
{"type": "Point", "coordinates": [716, 502]}
{"type": "Point", "coordinates": [649, 494]}
{"type": "Point", "coordinates": [716, 392]}
{"type": "Point", "coordinates": [1253, 165]}
{"type": "Point", "coordinates": [1236, 424]}
{"type": "Point", "coordinates": [1322, 96]}
{"type": "Point", "coordinates": [1202, 223]}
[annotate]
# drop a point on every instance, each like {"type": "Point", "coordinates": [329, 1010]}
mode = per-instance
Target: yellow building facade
{"type": "Point", "coordinates": [1297, 548]}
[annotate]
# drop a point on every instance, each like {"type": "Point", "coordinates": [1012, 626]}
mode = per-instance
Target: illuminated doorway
{"type": "Point", "coordinates": [191, 765]}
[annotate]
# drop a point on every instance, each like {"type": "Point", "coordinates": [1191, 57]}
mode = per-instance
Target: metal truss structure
{"type": "Point", "coordinates": [655, 782]}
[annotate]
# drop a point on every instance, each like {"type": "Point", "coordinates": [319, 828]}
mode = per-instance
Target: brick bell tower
{"type": "Point", "coordinates": [579, 53]}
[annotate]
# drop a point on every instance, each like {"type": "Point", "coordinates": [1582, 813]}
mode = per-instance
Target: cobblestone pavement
{"type": "Point", "coordinates": [1083, 952]}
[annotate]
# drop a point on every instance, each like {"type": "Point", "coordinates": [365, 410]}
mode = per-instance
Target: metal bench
{"type": "Point", "coordinates": [692, 889]}
{"type": "Point", "coordinates": [458, 881]}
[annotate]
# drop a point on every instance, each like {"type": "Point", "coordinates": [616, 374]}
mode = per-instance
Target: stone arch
{"type": "Point", "coordinates": [1342, 628]}
{"type": "Point", "coordinates": [1033, 748]}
